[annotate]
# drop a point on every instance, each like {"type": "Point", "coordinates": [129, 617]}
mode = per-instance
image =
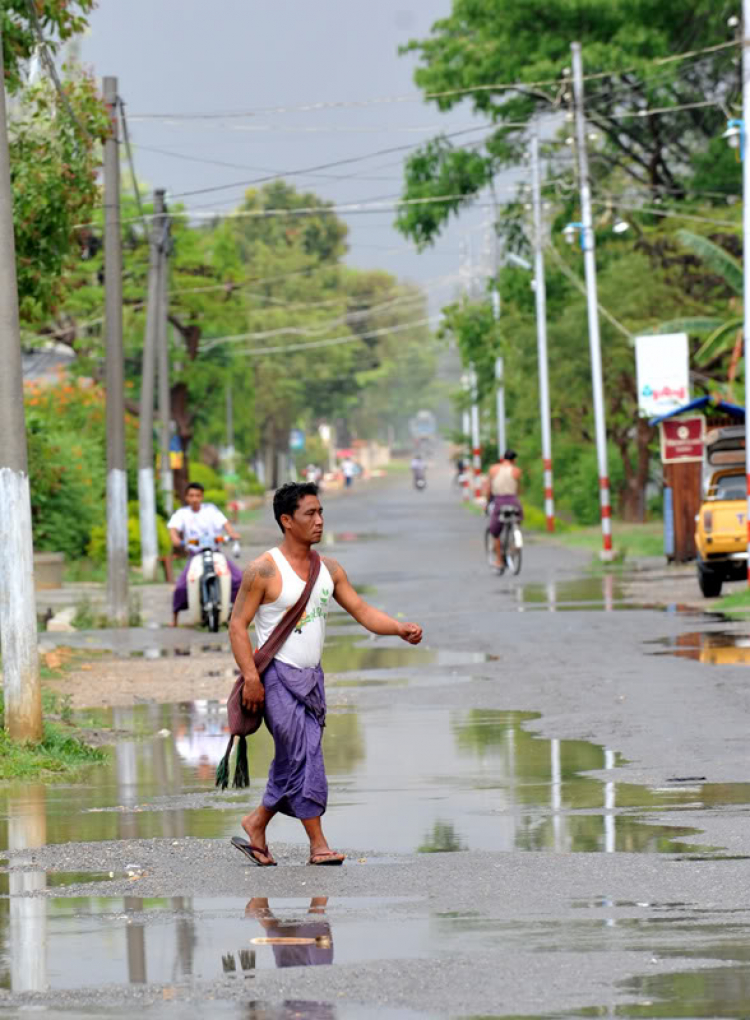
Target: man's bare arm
{"type": "Point", "coordinates": [176, 537]}
{"type": "Point", "coordinates": [372, 619]}
{"type": "Point", "coordinates": [249, 598]}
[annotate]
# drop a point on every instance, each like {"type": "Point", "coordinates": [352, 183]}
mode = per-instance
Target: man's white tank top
{"type": "Point", "coordinates": [304, 646]}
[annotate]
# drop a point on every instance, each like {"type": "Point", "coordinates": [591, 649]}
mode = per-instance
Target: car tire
{"type": "Point", "coordinates": [709, 581]}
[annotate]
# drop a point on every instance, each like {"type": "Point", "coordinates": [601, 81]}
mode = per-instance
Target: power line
{"type": "Point", "coordinates": [328, 166]}
{"type": "Point", "coordinates": [329, 342]}
{"type": "Point", "coordinates": [581, 286]}
{"type": "Point", "coordinates": [129, 153]}
{"type": "Point", "coordinates": [384, 100]}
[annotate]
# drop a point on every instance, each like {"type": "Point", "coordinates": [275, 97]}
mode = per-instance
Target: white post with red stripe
{"type": "Point", "coordinates": [540, 290]}
{"type": "Point", "coordinates": [589, 259]}
{"type": "Point", "coordinates": [476, 448]}
{"type": "Point", "coordinates": [746, 241]}
{"type": "Point", "coordinates": [466, 436]}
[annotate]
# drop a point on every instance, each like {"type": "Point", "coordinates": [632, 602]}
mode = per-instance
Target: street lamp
{"type": "Point", "coordinates": [573, 230]}
{"type": "Point", "coordinates": [735, 135]}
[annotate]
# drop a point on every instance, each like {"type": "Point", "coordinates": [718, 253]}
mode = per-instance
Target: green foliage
{"type": "Point", "coordinates": [479, 45]}
{"type": "Point", "coordinates": [218, 497]}
{"type": "Point", "coordinates": [67, 464]}
{"type": "Point", "coordinates": [59, 21]}
{"type": "Point", "coordinates": [96, 549]}
{"type": "Point", "coordinates": [54, 181]}
{"type": "Point", "coordinates": [205, 476]}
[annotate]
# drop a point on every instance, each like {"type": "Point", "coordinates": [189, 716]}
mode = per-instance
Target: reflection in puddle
{"type": "Point", "coordinates": [713, 648]}
{"type": "Point", "coordinates": [587, 593]}
{"type": "Point", "coordinates": [474, 779]}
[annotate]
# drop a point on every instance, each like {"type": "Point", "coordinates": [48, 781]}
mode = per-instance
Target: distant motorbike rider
{"type": "Point", "coordinates": [202, 522]}
{"type": "Point", "coordinates": [418, 469]}
{"type": "Point", "coordinates": [501, 490]}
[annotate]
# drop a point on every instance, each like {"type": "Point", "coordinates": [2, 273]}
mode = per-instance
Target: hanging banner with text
{"type": "Point", "coordinates": [662, 370]}
{"type": "Point", "coordinates": [682, 440]}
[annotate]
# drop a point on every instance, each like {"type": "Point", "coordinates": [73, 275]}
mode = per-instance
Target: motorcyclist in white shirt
{"type": "Point", "coordinates": [201, 521]}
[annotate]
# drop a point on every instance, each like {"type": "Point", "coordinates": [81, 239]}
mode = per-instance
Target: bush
{"type": "Point", "coordinates": [97, 547]}
{"type": "Point", "coordinates": [206, 476]}
{"type": "Point", "coordinates": [67, 463]}
{"type": "Point", "coordinates": [217, 496]}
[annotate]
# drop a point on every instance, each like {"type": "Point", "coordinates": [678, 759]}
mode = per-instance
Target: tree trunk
{"type": "Point", "coordinates": [183, 420]}
{"type": "Point", "coordinates": [633, 495]}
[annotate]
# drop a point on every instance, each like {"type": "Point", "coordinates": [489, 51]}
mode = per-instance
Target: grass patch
{"type": "Point", "coordinates": [629, 540]}
{"type": "Point", "coordinates": [736, 605]}
{"type": "Point", "coordinates": [86, 571]}
{"type": "Point", "coordinates": [61, 753]}
{"type": "Point", "coordinates": [88, 617]}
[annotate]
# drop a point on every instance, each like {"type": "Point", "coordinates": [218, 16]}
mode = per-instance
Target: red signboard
{"type": "Point", "coordinates": [682, 440]}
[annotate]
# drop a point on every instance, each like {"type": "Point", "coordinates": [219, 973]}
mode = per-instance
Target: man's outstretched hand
{"type": "Point", "coordinates": [410, 632]}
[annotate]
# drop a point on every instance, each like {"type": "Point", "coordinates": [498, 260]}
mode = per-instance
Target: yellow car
{"type": "Point", "coordinates": [721, 525]}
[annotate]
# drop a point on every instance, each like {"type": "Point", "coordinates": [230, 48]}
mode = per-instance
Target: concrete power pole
{"type": "Point", "coordinates": [541, 331]}
{"type": "Point", "coordinates": [476, 442]}
{"type": "Point", "coordinates": [146, 493]}
{"type": "Point", "coordinates": [117, 479]}
{"type": "Point", "coordinates": [500, 402]}
{"type": "Point", "coordinates": [746, 242]}
{"type": "Point", "coordinates": [165, 402]}
{"type": "Point", "coordinates": [23, 697]}
{"type": "Point", "coordinates": [589, 258]}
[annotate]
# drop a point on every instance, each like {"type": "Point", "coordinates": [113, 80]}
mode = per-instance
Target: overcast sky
{"type": "Point", "coordinates": [197, 57]}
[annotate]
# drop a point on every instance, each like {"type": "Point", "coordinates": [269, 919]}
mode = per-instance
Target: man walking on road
{"type": "Point", "coordinates": [292, 690]}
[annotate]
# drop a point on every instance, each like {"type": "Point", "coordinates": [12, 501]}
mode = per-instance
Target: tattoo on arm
{"type": "Point", "coordinates": [334, 567]}
{"type": "Point", "coordinates": [266, 569]}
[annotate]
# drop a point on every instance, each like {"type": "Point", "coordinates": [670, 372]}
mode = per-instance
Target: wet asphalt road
{"type": "Point", "coordinates": [545, 812]}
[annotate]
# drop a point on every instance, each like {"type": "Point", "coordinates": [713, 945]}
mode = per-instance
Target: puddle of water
{"type": "Point", "coordinates": [457, 780]}
{"type": "Point", "coordinates": [349, 653]}
{"type": "Point", "coordinates": [707, 992]}
{"type": "Point", "coordinates": [16, 881]}
{"type": "Point", "coordinates": [712, 648]}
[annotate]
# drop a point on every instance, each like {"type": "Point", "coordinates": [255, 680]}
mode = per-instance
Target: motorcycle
{"type": "Point", "coordinates": [420, 481]}
{"type": "Point", "coordinates": [209, 584]}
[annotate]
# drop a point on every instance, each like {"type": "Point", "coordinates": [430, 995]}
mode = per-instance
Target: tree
{"type": "Point", "coordinates": [626, 43]}
{"type": "Point", "coordinates": [723, 335]}
{"type": "Point", "coordinates": [56, 20]}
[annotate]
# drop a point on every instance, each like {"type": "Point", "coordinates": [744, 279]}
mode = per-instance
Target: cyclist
{"type": "Point", "coordinates": [501, 490]}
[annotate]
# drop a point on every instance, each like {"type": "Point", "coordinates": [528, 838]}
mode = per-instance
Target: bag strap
{"type": "Point", "coordinates": [286, 625]}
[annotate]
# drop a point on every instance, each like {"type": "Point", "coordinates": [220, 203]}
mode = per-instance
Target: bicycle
{"type": "Point", "coordinates": [511, 537]}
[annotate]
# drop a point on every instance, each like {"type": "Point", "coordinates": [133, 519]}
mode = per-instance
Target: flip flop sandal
{"type": "Point", "coordinates": [332, 861]}
{"type": "Point", "coordinates": [250, 851]}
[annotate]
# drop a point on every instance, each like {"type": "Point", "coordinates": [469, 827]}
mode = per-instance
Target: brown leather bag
{"type": "Point", "coordinates": [242, 722]}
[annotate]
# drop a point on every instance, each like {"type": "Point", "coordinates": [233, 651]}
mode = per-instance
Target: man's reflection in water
{"type": "Point", "coordinates": [316, 928]}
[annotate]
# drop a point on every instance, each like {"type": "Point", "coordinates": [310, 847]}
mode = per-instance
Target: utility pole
{"type": "Point", "coordinates": [500, 400]}
{"type": "Point", "coordinates": [146, 492]}
{"type": "Point", "coordinates": [230, 429]}
{"type": "Point", "coordinates": [499, 367]}
{"type": "Point", "coordinates": [746, 244]}
{"type": "Point", "coordinates": [22, 689]}
{"type": "Point", "coordinates": [165, 402]}
{"type": "Point", "coordinates": [466, 430]}
{"type": "Point", "coordinates": [540, 290]}
{"type": "Point", "coordinates": [117, 479]}
{"type": "Point", "coordinates": [476, 447]}
{"type": "Point", "coordinates": [589, 258]}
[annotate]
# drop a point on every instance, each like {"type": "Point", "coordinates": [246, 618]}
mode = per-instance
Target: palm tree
{"type": "Point", "coordinates": [721, 335]}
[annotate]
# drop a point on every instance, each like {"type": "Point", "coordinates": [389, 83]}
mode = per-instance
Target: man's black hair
{"type": "Point", "coordinates": [510, 455]}
{"type": "Point", "coordinates": [194, 485]}
{"type": "Point", "coordinates": [288, 498]}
